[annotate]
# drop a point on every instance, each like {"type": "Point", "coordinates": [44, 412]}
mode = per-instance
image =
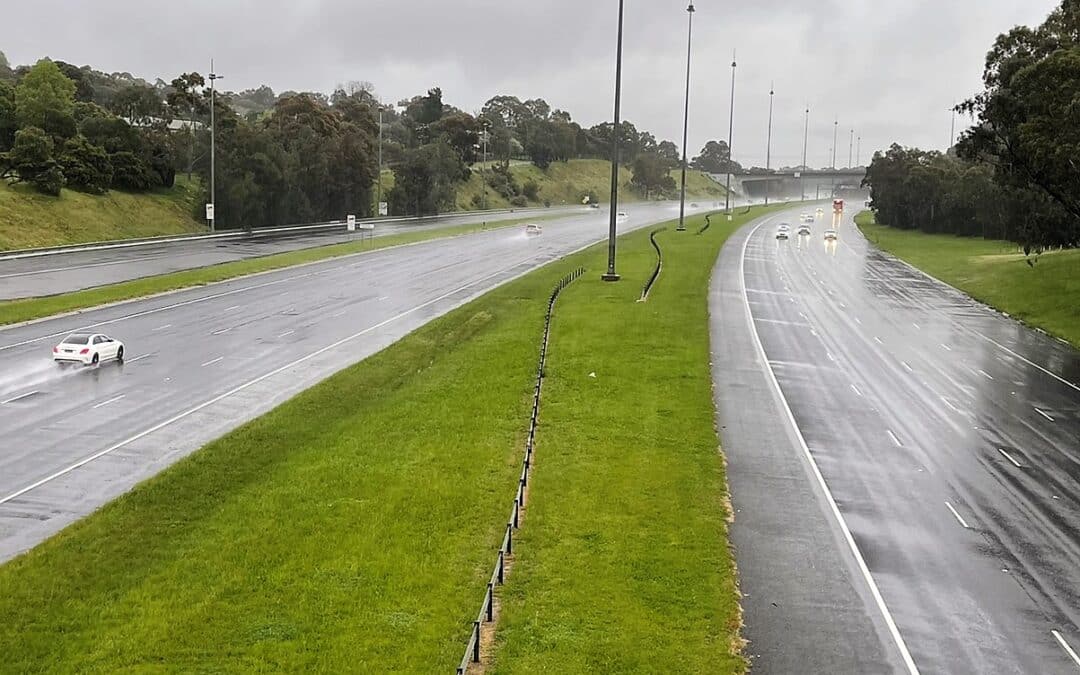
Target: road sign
{"type": "Point", "coordinates": [209, 211]}
{"type": "Point", "coordinates": [367, 225]}
{"type": "Point", "coordinates": [798, 174]}
{"type": "Point", "coordinates": [384, 209]}
{"type": "Point", "coordinates": [351, 223]}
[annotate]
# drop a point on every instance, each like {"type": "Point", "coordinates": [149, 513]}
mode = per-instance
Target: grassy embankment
{"type": "Point", "coordinates": [26, 309]}
{"type": "Point", "coordinates": [565, 182]}
{"type": "Point", "coordinates": [353, 528]}
{"type": "Point", "coordinates": [1046, 295]}
{"type": "Point", "coordinates": [29, 219]}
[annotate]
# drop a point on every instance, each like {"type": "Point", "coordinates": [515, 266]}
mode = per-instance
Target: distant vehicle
{"type": "Point", "coordinates": [820, 211]}
{"type": "Point", "coordinates": [804, 231]}
{"type": "Point", "coordinates": [830, 235]}
{"type": "Point", "coordinates": [621, 214]}
{"type": "Point", "coordinates": [533, 229]}
{"type": "Point", "coordinates": [88, 349]}
{"type": "Point", "coordinates": [806, 218]}
{"type": "Point", "coordinates": [838, 205]}
{"type": "Point", "coordinates": [783, 232]}
{"type": "Point", "coordinates": [594, 205]}
{"type": "Point", "coordinates": [693, 206]}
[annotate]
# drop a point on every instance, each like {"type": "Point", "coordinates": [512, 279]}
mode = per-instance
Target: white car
{"type": "Point", "coordinates": [88, 349]}
{"type": "Point", "coordinates": [804, 231]}
{"type": "Point", "coordinates": [830, 235]}
{"type": "Point", "coordinates": [783, 232]}
{"type": "Point", "coordinates": [533, 229]}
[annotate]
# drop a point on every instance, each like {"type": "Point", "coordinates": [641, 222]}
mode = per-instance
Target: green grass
{"type": "Point", "coordinates": [27, 309]}
{"type": "Point", "coordinates": [353, 528]}
{"type": "Point", "coordinates": [623, 564]}
{"type": "Point", "coordinates": [1046, 295]}
{"type": "Point", "coordinates": [29, 219]}
{"type": "Point", "coordinates": [565, 182]}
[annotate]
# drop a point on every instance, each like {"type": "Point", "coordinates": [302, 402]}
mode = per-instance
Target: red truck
{"type": "Point", "coordinates": [838, 205]}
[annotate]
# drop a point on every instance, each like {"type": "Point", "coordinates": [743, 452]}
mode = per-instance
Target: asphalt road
{"type": "Point", "coordinates": [202, 361]}
{"type": "Point", "coordinates": [925, 516]}
{"type": "Point", "coordinates": [68, 271]}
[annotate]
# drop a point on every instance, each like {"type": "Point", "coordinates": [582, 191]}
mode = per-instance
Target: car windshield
{"type": "Point", "coordinates": [77, 339]}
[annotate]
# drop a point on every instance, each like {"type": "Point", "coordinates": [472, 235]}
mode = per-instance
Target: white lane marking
{"type": "Point", "coordinates": [334, 316]}
{"type": "Point", "coordinates": [858, 321]}
{"type": "Point", "coordinates": [946, 402]}
{"type": "Point", "coordinates": [154, 330]}
{"type": "Point", "coordinates": [20, 397]}
{"type": "Point", "coordinates": [894, 438]}
{"type": "Point", "coordinates": [383, 298]}
{"type": "Point", "coordinates": [229, 309]}
{"type": "Point", "coordinates": [1010, 458]}
{"type": "Point", "coordinates": [210, 363]}
{"type": "Point", "coordinates": [802, 314]}
{"type": "Point", "coordinates": [917, 326]}
{"type": "Point", "coordinates": [1044, 414]}
{"type": "Point", "coordinates": [947, 347]}
{"type": "Point", "coordinates": [251, 383]}
{"type": "Point", "coordinates": [906, 366]}
{"type": "Point", "coordinates": [783, 323]}
{"type": "Point", "coordinates": [859, 560]}
{"type": "Point", "coordinates": [1065, 645]}
{"type": "Point", "coordinates": [878, 340]}
{"type": "Point", "coordinates": [856, 390]}
{"type": "Point", "coordinates": [111, 400]}
{"type": "Point", "coordinates": [831, 357]}
{"type": "Point", "coordinates": [137, 358]}
{"type": "Point", "coordinates": [986, 374]}
{"type": "Point", "coordinates": [843, 306]}
{"type": "Point", "coordinates": [286, 333]}
{"type": "Point", "coordinates": [221, 331]}
{"type": "Point", "coordinates": [31, 273]}
{"type": "Point", "coordinates": [958, 516]}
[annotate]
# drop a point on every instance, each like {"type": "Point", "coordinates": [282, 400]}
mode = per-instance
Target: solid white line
{"type": "Point", "coordinates": [958, 516]}
{"type": "Point", "coordinates": [251, 383]}
{"type": "Point", "coordinates": [210, 363]}
{"type": "Point", "coordinates": [19, 397]}
{"type": "Point", "coordinates": [111, 400]}
{"type": "Point", "coordinates": [229, 309]}
{"type": "Point", "coordinates": [946, 402]}
{"type": "Point", "coordinates": [856, 390]}
{"type": "Point", "coordinates": [986, 374]}
{"type": "Point", "coordinates": [784, 323]}
{"type": "Point", "coordinates": [1044, 414]}
{"type": "Point", "coordinates": [137, 358]}
{"type": "Point", "coordinates": [1066, 647]}
{"type": "Point", "coordinates": [1010, 458]}
{"type": "Point", "coordinates": [947, 347]}
{"type": "Point", "coordinates": [221, 331]}
{"type": "Point", "coordinates": [906, 366]}
{"type": "Point", "coordinates": [894, 438]}
{"type": "Point", "coordinates": [154, 330]}
{"type": "Point", "coordinates": [859, 559]}
{"type": "Point", "coordinates": [286, 333]}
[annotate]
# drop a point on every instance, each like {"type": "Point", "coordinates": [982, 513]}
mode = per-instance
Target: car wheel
{"type": "Point", "coordinates": [94, 361]}
{"type": "Point", "coordinates": [120, 355]}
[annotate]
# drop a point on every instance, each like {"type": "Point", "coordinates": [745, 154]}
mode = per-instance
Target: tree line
{"type": "Point", "coordinates": [1013, 174]}
{"type": "Point", "coordinates": [297, 156]}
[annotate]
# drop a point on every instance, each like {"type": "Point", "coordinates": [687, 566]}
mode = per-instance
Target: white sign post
{"type": "Point", "coordinates": [351, 223]}
{"type": "Point", "coordinates": [210, 212]}
{"type": "Point", "coordinates": [384, 208]}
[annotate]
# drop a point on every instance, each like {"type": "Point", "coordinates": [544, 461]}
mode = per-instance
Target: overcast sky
{"type": "Point", "coordinates": [889, 70]}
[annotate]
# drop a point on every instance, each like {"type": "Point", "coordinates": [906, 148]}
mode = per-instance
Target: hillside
{"type": "Point", "coordinates": [29, 219]}
{"type": "Point", "coordinates": [566, 182]}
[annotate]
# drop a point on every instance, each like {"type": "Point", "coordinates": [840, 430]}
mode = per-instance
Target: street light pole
{"type": "Point", "coordinates": [836, 127]}
{"type": "Point", "coordinates": [484, 168]}
{"type": "Point", "coordinates": [731, 129]}
{"type": "Point", "coordinates": [611, 275]}
{"type": "Point", "coordinates": [858, 150]}
{"type": "Point", "coordinates": [850, 146]}
{"type": "Point", "coordinates": [378, 202]}
{"type": "Point", "coordinates": [213, 201]}
{"type": "Point", "coordinates": [768, 144]}
{"type": "Point", "coordinates": [805, 137]}
{"type": "Point", "coordinates": [686, 121]}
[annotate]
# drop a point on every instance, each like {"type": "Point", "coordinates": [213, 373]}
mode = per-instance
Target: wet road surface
{"type": "Point", "coordinates": [946, 437]}
{"type": "Point", "coordinates": [68, 271]}
{"type": "Point", "coordinates": [201, 362]}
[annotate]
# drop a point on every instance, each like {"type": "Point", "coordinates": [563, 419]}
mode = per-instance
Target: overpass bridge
{"type": "Point", "coordinates": [790, 183]}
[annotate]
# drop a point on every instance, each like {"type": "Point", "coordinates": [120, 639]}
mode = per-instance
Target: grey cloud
{"type": "Point", "coordinates": [888, 70]}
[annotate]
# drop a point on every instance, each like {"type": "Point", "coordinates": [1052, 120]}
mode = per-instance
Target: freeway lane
{"type": "Point", "coordinates": [947, 436]}
{"type": "Point", "coordinates": [202, 361]}
{"type": "Point", "coordinates": [74, 270]}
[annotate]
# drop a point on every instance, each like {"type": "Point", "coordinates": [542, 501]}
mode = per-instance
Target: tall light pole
{"type": "Point", "coordinates": [858, 150]}
{"type": "Point", "coordinates": [731, 129]}
{"type": "Point", "coordinates": [805, 138]}
{"type": "Point", "coordinates": [836, 128]}
{"type": "Point", "coordinates": [768, 143]}
{"type": "Point", "coordinates": [611, 275]}
{"type": "Point", "coordinates": [952, 129]}
{"type": "Point", "coordinates": [484, 131]}
{"type": "Point", "coordinates": [686, 120]}
{"type": "Point", "coordinates": [378, 202]}
{"type": "Point", "coordinates": [213, 201]}
{"type": "Point", "coordinates": [850, 147]}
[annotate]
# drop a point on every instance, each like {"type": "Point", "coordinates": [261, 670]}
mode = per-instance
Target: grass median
{"type": "Point", "coordinates": [28, 309]}
{"type": "Point", "coordinates": [623, 565]}
{"type": "Point", "coordinates": [353, 528]}
{"type": "Point", "coordinates": [1045, 294]}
